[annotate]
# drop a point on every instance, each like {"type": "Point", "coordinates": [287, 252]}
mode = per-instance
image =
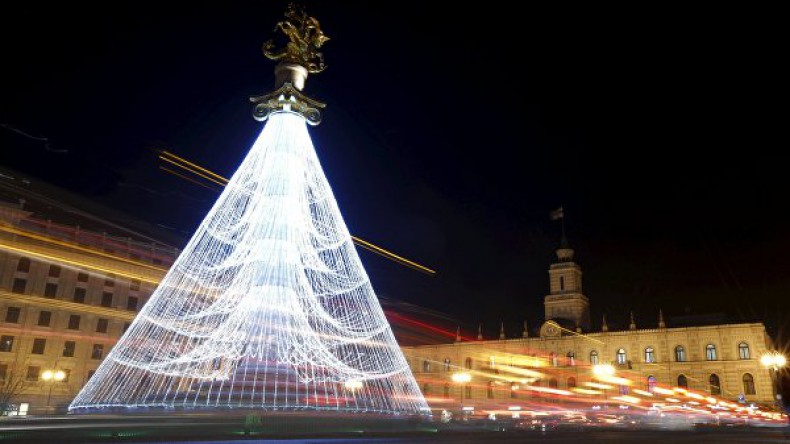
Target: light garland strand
{"type": "Point", "coordinates": [267, 307]}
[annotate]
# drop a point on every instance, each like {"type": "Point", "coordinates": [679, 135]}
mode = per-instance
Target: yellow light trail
{"type": "Point", "coordinates": [222, 181]}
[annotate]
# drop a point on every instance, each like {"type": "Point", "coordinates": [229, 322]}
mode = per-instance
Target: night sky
{"type": "Point", "coordinates": [450, 134]}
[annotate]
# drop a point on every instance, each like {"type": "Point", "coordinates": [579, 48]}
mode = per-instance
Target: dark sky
{"type": "Point", "coordinates": [450, 134]}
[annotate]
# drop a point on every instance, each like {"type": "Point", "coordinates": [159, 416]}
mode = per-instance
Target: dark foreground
{"type": "Point", "coordinates": [296, 429]}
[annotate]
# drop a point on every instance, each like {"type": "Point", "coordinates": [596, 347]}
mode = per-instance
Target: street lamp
{"type": "Point", "coordinates": [462, 378]}
{"type": "Point", "coordinates": [51, 376]}
{"type": "Point", "coordinates": [603, 371]}
{"type": "Point", "coordinates": [774, 362]}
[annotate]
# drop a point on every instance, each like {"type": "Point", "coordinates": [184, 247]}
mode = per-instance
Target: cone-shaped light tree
{"type": "Point", "coordinates": [268, 306]}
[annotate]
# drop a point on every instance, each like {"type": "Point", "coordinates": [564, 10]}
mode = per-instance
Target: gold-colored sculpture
{"type": "Point", "coordinates": [305, 37]}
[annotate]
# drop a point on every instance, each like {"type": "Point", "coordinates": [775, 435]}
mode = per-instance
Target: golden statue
{"type": "Point", "coordinates": [305, 37]}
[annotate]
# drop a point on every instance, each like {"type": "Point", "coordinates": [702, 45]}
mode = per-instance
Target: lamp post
{"type": "Point", "coordinates": [774, 362]}
{"type": "Point", "coordinates": [462, 378]}
{"type": "Point", "coordinates": [50, 377]}
{"type": "Point", "coordinates": [603, 371]}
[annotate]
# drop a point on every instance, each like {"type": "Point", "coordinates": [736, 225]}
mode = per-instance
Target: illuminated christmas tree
{"type": "Point", "coordinates": [268, 306]}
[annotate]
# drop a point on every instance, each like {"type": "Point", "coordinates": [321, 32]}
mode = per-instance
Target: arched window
{"type": "Point", "coordinates": [513, 388]}
{"type": "Point", "coordinates": [748, 384]}
{"type": "Point", "coordinates": [447, 390]}
{"type": "Point", "coordinates": [650, 355]}
{"type": "Point", "coordinates": [426, 366]}
{"type": "Point", "coordinates": [683, 382]}
{"type": "Point", "coordinates": [23, 265]}
{"type": "Point", "coordinates": [571, 382]}
{"type": "Point", "coordinates": [620, 357]}
{"type": "Point", "coordinates": [743, 351]}
{"type": "Point", "coordinates": [571, 358]}
{"type": "Point", "coordinates": [651, 383]}
{"type": "Point", "coordinates": [553, 358]}
{"type": "Point", "coordinates": [562, 283]}
{"type": "Point", "coordinates": [468, 363]}
{"type": "Point", "coordinates": [710, 352]}
{"type": "Point", "coordinates": [593, 357]}
{"type": "Point", "coordinates": [680, 354]}
{"type": "Point", "coordinates": [447, 364]}
{"type": "Point", "coordinates": [553, 383]}
{"type": "Point", "coordinates": [715, 388]}
{"type": "Point", "coordinates": [490, 391]}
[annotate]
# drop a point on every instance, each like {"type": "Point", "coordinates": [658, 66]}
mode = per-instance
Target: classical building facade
{"type": "Point", "coordinates": [721, 360]}
{"type": "Point", "coordinates": [67, 294]}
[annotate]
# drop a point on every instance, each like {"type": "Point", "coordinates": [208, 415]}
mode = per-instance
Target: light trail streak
{"type": "Point", "coordinates": [207, 174]}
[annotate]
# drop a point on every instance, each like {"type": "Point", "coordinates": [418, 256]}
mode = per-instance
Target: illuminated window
{"type": "Point", "coordinates": [571, 382]}
{"type": "Point", "coordinates": [491, 363]}
{"type": "Point", "coordinates": [683, 381]}
{"type": "Point", "coordinates": [743, 351]}
{"type": "Point", "coordinates": [593, 357]}
{"type": "Point", "coordinates": [447, 364]}
{"type": "Point", "coordinates": [651, 383]}
{"type": "Point", "coordinates": [490, 391]}
{"type": "Point", "coordinates": [748, 384]}
{"type": "Point", "coordinates": [6, 343]}
{"type": "Point", "coordinates": [426, 365]}
{"type": "Point", "coordinates": [715, 387]}
{"type": "Point", "coordinates": [650, 355]}
{"type": "Point", "coordinates": [680, 354]}
{"type": "Point", "coordinates": [553, 359]}
{"type": "Point", "coordinates": [24, 265]}
{"type": "Point", "coordinates": [571, 358]}
{"type": "Point", "coordinates": [620, 356]}
{"type": "Point", "coordinates": [468, 363]}
{"type": "Point", "coordinates": [710, 352]}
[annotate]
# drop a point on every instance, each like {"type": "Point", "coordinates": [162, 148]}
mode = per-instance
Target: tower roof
{"type": "Point", "coordinates": [564, 252]}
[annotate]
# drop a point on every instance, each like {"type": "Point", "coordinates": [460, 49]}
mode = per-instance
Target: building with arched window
{"type": "Point", "coordinates": [721, 359]}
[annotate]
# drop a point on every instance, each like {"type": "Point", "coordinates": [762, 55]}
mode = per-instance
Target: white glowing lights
{"type": "Point", "coordinates": [267, 307]}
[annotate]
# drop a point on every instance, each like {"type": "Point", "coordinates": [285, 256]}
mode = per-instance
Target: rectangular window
{"type": "Point", "coordinates": [33, 372]}
{"type": "Point", "coordinates": [74, 322]}
{"type": "Point", "coordinates": [109, 281]}
{"type": "Point", "coordinates": [6, 343]}
{"type": "Point", "coordinates": [3, 371]}
{"type": "Point", "coordinates": [24, 265]}
{"type": "Point", "coordinates": [50, 290]}
{"type": "Point", "coordinates": [44, 318]}
{"type": "Point", "coordinates": [82, 277]}
{"type": "Point", "coordinates": [19, 286]}
{"type": "Point", "coordinates": [79, 295]}
{"type": "Point", "coordinates": [131, 303]}
{"type": "Point", "coordinates": [135, 285]}
{"type": "Point", "coordinates": [98, 351]}
{"type": "Point", "coordinates": [54, 271]}
{"type": "Point", "coordinates": [101, 326]}
{"type": "Point", "coordinates": [68, 349]}
{"type": "Point", "coordinates": [38, 346]}
{"type": "Point", "coordinates": [106, 299]}
{"type": "Point", "coordinates": [66, 374]}
{"type": "Point", "coordinates": [12, 315]}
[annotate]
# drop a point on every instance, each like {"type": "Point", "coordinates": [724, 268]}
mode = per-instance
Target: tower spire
{"type": "Point", "coordinates": [502, 330]}
{"type": "Point", "coordinates": [632, 325]}
{"type": "Point", "coordinates": [525, 332]}
{"type": "Point", "coordinates": [661, 323]}
{"type": "Point", "coordinates": [479, 332]}
{"type": "Point", "coordinates": [458, 334]}
{"type": "Point", "coordinates": [604, 326]}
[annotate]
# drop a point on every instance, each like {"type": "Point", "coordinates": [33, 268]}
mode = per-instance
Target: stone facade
{"type": "Point", "coordinates": [66, 296]}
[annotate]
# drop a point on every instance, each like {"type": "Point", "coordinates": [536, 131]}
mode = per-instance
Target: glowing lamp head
{"type": "Point", "coordinates": [353, 384]}
{"type": "Point", "coordinates": [60, 375]}
{"type": "Point", "coordinates": [780, 360]}
{"type": "Point", "coordinates": [57, 375]}
{"type": "Point", "coordinates": [47, 375]}
{"type": "Point", "coordinates": [603, 370]}
{"type": "Point", "coordinates": [462, 377]}
{"type": "Point", "coordinates": [767, 360]}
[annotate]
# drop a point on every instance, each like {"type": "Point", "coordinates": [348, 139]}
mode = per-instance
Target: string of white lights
{"type": "Point", "coordinates": [267, 307]}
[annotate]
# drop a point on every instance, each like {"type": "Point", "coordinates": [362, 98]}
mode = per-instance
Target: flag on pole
{"type": "Point", "coordinates": [557, 214]}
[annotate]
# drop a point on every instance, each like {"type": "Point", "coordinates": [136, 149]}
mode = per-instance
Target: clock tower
{"type": "Point", "coordinates": [565, 302]}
